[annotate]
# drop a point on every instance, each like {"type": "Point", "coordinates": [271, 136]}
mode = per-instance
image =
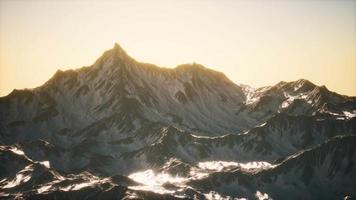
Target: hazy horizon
{"type": "Point", "coordinates": [252, 42]}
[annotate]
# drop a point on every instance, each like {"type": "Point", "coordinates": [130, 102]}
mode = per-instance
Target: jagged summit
{"type": "Point", "coordinates": [117, 50]}
{"type": "Point", "coordinates": [117, 47]}
{"type": "Point", "coordinates": [114, 55]}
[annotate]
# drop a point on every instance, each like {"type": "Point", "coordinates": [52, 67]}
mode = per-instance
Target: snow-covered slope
{"type": "Point", "coordinates": [326, 171]}
{"type": "Point", "coordinates": [118, 87]}
{"type": "Point", "coordinates": [300, 97]}
{"type": "Point", "coordinates": [23, 178]}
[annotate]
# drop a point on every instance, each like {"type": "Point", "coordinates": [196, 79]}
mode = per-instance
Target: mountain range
{"type": "Point", "coordinates": [123, 129]}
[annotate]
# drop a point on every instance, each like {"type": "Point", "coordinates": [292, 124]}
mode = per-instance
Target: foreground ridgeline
{"type": "Point", "coordinates": [125, 129]}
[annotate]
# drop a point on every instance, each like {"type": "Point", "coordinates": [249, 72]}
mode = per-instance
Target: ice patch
{"type": "Point", "coordinates": [220, 165]}
{"type": "Point", "coordinates": [261, 125]}
{"type": "Point", "coordinates": [215, 196]}
{"type": "Point", "coordinates": [349, 115]}
{"type": "Point", "coordinates": [262, 196]}
{"type": "Point", "coordinates": [46, 164]}
{"type": "Point", "coordinates": [250, 95]}
{"type": "Point", "coordinates": [21, 177]}
{"type": "Point", "coordinates": [92, 181]}
{"type": "Point", "coordinates": [44, 189]}
{"type": "Point", "coordinates": [155, 181]}
{"type": "Point", "coordinates": [17, 151]}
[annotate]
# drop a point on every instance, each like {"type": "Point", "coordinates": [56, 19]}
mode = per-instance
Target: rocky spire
{"type": "Point", "coordinates": [118, 50]}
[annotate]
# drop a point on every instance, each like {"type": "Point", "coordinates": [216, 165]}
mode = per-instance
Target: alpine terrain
{"type": "Point", "coordinates": [122, 129]}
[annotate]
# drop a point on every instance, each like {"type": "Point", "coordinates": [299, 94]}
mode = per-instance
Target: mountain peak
{"type": "Point", "coordinates": [113, 54]}
{"type": "Point", "coordinates": [117, 50]}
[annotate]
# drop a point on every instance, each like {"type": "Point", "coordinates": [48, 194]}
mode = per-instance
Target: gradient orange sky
{"type": "Point", "coordinates": [254, 42]}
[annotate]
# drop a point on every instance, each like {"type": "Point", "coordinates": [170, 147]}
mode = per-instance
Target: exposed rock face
{"type": "Point", "coordinates": [86, 127]}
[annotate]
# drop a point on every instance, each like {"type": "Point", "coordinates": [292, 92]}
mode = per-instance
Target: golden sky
{"type": "Point", "coordinates": [253, 42]}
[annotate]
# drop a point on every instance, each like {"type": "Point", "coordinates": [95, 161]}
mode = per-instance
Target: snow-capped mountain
{"type": "Point", "coordinates": [94, 129]}
{"type": "Point", "coordinates": [323, 172]}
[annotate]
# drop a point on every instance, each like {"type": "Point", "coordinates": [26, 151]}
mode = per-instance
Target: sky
{"type": "Point", "coordinates": [253, 42]}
